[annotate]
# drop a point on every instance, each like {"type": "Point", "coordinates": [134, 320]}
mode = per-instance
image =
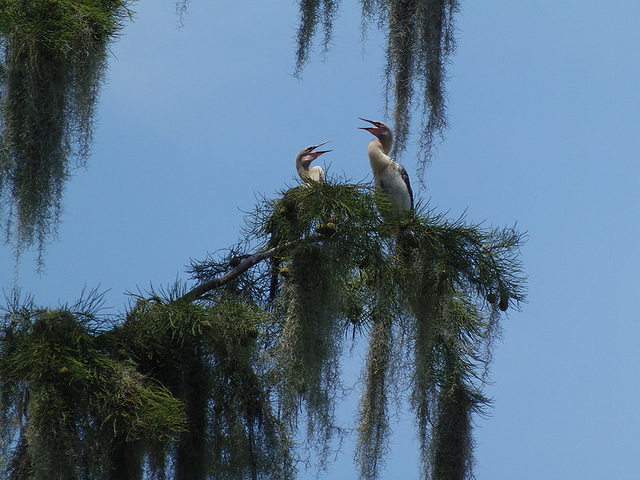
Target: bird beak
{"type": "Point", "coordinates": [317, 154]}
{"type": "Point", "coordinates": [313, 147]}
{"type": "Point", "coordinates": [375, 130]}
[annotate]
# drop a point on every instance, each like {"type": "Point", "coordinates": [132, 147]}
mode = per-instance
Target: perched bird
{"type": "Point", "coordinates": [303, 161]}
{"type": "Point", "coordinates": [388, 174]}
{"type": "Point", "coordinates": [307, 175]}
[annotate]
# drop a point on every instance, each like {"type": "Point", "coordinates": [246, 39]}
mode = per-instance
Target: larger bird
{"type": "Point", "coordinates": [303, 162]}
{"type": "Point", "coordinates": [388, 174]}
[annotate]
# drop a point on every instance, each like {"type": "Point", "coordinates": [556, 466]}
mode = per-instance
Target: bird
{"type": "Point", "coordinates": [388, 175]}
{"type": "Point", "coordinates": [303, 161]}
{"type": "Point", "coordinates": [308, 176]}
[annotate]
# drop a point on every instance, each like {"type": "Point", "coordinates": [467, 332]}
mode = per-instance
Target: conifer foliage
{"type": "Point", "coordinates": [220, 379]}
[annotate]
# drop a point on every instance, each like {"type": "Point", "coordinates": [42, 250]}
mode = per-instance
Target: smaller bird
{"type": "Point", "coordinates": [307, 175]}
{"type": "Point", "coordinates": [303, 161]}
{"type": "Point", "coordinates": [388, 174]}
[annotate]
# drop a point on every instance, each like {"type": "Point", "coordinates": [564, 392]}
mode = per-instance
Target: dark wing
{"type": "Point", "coordinates": [407, 182]}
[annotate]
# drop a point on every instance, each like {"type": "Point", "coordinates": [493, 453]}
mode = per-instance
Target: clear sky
{"type": "Point", "coordinates": [544, 110]}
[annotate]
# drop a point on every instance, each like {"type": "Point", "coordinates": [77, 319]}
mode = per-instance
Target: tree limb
{"type": "Point", "coordinates": [204, 288]}
{"type": "Point", "coordinates": [248, 262]}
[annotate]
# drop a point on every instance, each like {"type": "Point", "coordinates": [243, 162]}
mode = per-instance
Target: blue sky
{"type": "Point", "coordinates": [544, 110]}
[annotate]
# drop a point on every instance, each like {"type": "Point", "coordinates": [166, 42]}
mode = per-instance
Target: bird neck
{"type": "Point", "coordinates": [378, 159]}
{"type": "Point", "coordinates": [302, 169]}
{"type": "Point", "coordinates": [386, 141]}
{"type": "Point", "coordinates": [315, 174]}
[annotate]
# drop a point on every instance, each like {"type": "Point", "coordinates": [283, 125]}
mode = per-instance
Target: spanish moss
{"type": "Point", "coordinates": [312, 302]}
{"type": "Point", "coordinates": [314, 14]}
{"type": "Point", "coordinates": [53, 63]}
{"type": "Point", "coordinates": [209, 363]}
{"type": "Point", "coordinates": [310, 348]}
{"type": "Point", "coordinates": [420, 40]}
{"type": "Point", "coordinates": [451, 448]}
{"type": "Point", "coordinates": [450, 276]}
{"type": "Point", "coordinates": [68, 400]}
{"type": "Point", "coordinates": [435, 43]}
{"type": "Point", "coordinates": [373, 421]}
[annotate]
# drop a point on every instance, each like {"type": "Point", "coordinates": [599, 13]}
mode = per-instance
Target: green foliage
{"type": "Point", "coordinates": [420, 40]}
{"type": "Point", "coordinates": [205, 354]}
{"type": "Point", "coordinates": [425, 299]}
{"type": "Point", "coordinates": [322, 231]}
{"type": "Point", "coordinates": [449, 270]}
{"type": "Point", "coordinates": [69, 398]}
{"type": "Point", "coordinates": [215, 385]}
{"type": "Point", "coordinates": [53, 58]}
{"type": "Point", "coordinates": [211, 382]}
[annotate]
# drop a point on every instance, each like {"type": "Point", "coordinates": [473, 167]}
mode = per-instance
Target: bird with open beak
{"type": "Point", "coordinates": [388, 175]}
{"type": "Point", "coordinates": [303, 162]}
{"type": "Point", "coordinates": [382, 132]}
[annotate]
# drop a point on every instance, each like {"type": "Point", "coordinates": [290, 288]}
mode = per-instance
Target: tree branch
{"type": "Point", "coordinates": [248, 262]}
{"type": "Point", "coordinates": [204, 288]}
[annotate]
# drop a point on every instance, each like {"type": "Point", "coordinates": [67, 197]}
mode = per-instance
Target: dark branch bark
{"type": "Point", "coordinates": [246, 264]}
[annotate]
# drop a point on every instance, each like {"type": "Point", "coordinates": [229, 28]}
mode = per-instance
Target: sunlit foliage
{"type": "Point", "coordinates": [218, 381]}
{"type": "Point", "coordinates": [52, 63]}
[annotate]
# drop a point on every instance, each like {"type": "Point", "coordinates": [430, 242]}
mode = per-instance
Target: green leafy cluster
{"type": "Point", "coordinates": [68, 398]}
{"type": "Point", "coordinates": [427, 291]}
{"type": "Point", "coordinates": [221, 384]}
{"type": "Point", "coordinates": [205, 355]}
{"type": "Point", "coordinates": [52, 63]}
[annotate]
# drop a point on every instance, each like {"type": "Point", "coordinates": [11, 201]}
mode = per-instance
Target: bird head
{"type": "Point", "coordinates": [382, 131]}
{"type": "Point", "coordinates": [309, 154]}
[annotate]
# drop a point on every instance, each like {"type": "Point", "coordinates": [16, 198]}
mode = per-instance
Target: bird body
{"type": "Point", "coordinates": [392, 178]}
{"type": "Point", "coordinates": [388, 174]}
{"type": "Point", "coordinates": [303, 162]}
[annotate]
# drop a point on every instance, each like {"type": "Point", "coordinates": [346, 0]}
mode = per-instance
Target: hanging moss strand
{"type": "Point", "coordinates": [53, 62]}
{"type": "Point", "coordinates": [420, 41]}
